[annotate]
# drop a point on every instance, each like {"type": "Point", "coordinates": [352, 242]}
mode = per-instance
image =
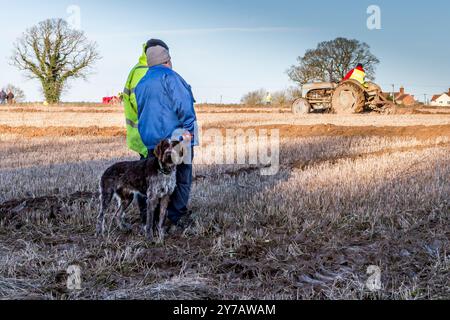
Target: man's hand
{"type": "Point", "coordinates": [187, 136]}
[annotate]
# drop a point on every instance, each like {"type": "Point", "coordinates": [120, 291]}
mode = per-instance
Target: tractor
{"type": "Point", "coordinates": [347, 97]}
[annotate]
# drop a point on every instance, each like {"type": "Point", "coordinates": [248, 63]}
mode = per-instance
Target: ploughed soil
{"type": "Point", "coordinates": [419, 132]}
{"type": "Point", "coordinates": [35, 132]}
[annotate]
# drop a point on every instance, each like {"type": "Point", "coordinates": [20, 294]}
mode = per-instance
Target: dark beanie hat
{"type": "Point", "coordinates": [156, 42]}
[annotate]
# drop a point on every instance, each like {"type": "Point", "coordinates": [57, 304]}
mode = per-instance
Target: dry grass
{"type": "Point", "coordinates": [346, 197]}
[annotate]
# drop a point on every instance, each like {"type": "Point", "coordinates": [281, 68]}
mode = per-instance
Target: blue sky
{"type": "Point", "coordinates": [227, 48]}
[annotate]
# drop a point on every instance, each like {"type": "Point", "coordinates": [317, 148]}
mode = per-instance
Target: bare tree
{"type": "Point", "coordinates": [280, 98]}
{"type": "Point", "coordinates": [254, 98]}
{"type": "Point", "coordinates": [53, 53]}
{"type": "Point", "coordinates": [331, 61]}
{"type": "Point", "coordinates": [293, 93]}
{"type": "Point", "coordinates": [19, 95]}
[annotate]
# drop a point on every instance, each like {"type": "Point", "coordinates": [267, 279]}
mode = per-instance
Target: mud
{"type": "Point", "coordinates": [286, 131]}
{"type": "Point", "coordinates": [54, 203]}
{"type": "Point", "coordinates": [36, 132]}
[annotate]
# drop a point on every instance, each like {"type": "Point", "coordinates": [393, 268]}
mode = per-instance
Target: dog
{"type": "Point", "coordinates": [153, 178]}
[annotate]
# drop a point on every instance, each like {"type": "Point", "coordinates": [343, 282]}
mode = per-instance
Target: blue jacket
{"type": "Point", "coordinates": [165, 104]}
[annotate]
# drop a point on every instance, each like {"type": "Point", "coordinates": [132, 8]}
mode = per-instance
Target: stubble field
{"type": "Point", "coordinates": [352, 192]}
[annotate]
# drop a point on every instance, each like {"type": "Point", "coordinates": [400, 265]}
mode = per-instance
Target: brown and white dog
{"type": "Point", "coordinates": [154, 178]}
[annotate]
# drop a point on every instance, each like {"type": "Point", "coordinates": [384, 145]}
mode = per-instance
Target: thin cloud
{"type": "Point", "coordinates": [229, 29]}
{"type": "Point", "coordinates": [195, 31]}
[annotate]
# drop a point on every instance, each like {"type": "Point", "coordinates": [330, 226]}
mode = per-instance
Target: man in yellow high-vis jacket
{"type": "Point", "coordinates": [134, 140]}
{"type": "Point", "coordinates": [357, 74]}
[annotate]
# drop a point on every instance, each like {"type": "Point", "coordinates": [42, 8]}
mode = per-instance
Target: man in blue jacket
{"type": "Point", "coordinates": [166, 110]}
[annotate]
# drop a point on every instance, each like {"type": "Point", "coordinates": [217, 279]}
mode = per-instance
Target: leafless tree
{"type": "Point", "coordinates": [254, 98]}
{"type": "Point", "coordinates": [19, 95]}
{"type": "Point", "coordinates": [331, 61]}
{"type": "Point", "coordinates": [53, 53]}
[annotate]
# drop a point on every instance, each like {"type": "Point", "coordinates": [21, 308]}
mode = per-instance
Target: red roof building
{"type": "Point", "coordinates": [402, 97]}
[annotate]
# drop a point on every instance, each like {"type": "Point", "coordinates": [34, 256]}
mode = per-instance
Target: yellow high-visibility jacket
{"type": "Point", "coordinates": [134, 140]}
{"type": "Point", "coordinates": [359, 76]}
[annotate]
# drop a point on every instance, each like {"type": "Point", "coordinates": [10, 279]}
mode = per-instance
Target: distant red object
{"type": "Point", "coordinates": [111, 100]}
{"type": "Point", "coordinates": [107, 100]}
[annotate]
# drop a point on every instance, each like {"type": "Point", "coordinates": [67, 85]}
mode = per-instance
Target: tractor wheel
{"type": "Point", "coordinates": [348, 98]}
{"type": "Point", "coordinates": [301, 106]}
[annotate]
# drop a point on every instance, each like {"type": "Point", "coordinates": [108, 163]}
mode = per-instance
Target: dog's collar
{"type": "Point", "coordinates": [163, 170]}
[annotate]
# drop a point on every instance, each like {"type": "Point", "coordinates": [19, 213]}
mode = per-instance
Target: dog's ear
{"type": "Point", "coordinates": [160, 148]}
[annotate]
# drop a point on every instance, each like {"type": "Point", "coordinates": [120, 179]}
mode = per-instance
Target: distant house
{"type": "Point", "coordinates": [402, 98]}
{"type": "Point", "coordinates": [441, 100]}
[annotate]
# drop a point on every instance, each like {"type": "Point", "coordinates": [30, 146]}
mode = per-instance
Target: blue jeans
{"type": "Point", "coordinates": [179, 199]}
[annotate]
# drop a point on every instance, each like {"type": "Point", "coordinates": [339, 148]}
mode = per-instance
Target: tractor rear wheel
{"type": "Point", "coordinates": [348, 98]}
{"type": "Point", "coordinates": [301, 106]}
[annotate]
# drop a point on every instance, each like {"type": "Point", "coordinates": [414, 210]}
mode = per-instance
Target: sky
{"type": "Point", "coordinates": [227, 48]}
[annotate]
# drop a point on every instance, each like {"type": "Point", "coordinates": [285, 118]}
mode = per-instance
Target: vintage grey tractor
{"type": "Point", "coordinates": [347, 97]}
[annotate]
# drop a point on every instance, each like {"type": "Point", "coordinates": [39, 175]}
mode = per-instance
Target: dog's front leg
{"type": "Point", "coordinates": [152, 202]}
{"type": "Point", "coordinates": [162, 217]}
{"type": "Point", "coordinates": [105, 199]}
{"type": "Point", "coordinates": [142, 202]}
{"type": "Point", "coordinates": [121, 220]}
